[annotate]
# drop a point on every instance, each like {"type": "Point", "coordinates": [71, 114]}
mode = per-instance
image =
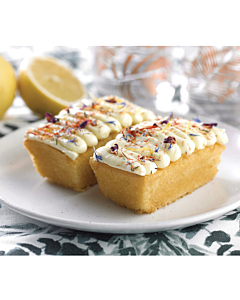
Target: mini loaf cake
{"type": "Point", "coordinates": [154, 163]}
{"type": "Point", "coordinates": [61, 148]}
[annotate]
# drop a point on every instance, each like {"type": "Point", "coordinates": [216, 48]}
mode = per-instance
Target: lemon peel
{"type": "Point", "coordinates": [8, 85]}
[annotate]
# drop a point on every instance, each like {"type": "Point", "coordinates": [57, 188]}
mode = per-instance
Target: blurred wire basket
{"type": "Point", "coordinates": [133, 72]}
{"type": "Point", "coordinates": [213, 74]}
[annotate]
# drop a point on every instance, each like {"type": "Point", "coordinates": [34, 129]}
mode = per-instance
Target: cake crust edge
{"type": "Point", "coordinates": [146, 194]}
{"type": "Point", "coordinates": [58, 168]}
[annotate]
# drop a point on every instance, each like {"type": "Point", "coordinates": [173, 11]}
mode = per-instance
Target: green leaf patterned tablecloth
{"type": "Point", "coordinates": [21, 235]}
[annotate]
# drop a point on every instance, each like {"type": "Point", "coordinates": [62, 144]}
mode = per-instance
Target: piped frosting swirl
{"type": "Point", "coordinates": [143, 148]}
{"type": "Point", "coordinates": [86, 122]}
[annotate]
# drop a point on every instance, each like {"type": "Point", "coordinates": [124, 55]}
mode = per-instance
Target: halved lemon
{"type": "Point", "coordinates": [46, 85]}
{"type": "Point", "coordinates": [8, 85]}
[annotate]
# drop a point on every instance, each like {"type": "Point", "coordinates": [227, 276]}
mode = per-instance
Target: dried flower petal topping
{"type": "Point", "coordinates": [197, 120]}
{"type": "Point", "coordinates": [83, 124]}
{"type": "Point", "coordinates": [192, 134]}
{"type": "Point", "coordinates": [69, 130]}
{"type": "Point", "coordinates": [164, 122]}
{"type": "Point", "coordinates": [114, 149]}
{"type": "Point", "coordinates": [130, 136]}
{"type": "Point", "coordinates": [94, 123]}
{"type": "Point", "coordinates": [111, 100]}
{"type": "Point", "coordinates": [155, 125]}
{"type": "Point", "coordinates": [170, 139]}
{"type": "Point", "coordinates": [166, 127]}
{"type": "Point", "coordinates": [188, 127]}
{"type": "Point", "coordinates": [210, 125]}
{"type": "Point", "coordinates": [98, 157]}
{"type": "Point", "coordinates": [73, 141]}
{"type": "Point", "coordinates": [50, 118]}
{"type": "Point", "coordinates": [110, 122]}
{"type": "Point", "coordinates": [56, 139]}
{"type": "Point", "coordinates": [94, 104]}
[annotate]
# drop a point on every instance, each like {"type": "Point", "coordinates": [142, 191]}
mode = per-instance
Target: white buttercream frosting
{"type": "Point", "coordinates": [154, 144]}
{"type": "Point", "coordinates": [86, 122]}
{"type": "Point", "coordinates": [126, 112]}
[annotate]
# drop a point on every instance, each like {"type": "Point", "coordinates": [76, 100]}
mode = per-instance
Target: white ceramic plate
{"type": "Point", "coordinates": [23, 190]}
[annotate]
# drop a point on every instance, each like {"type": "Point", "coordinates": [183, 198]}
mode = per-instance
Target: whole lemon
{"type": "Point", "coordinates": [8, 85]}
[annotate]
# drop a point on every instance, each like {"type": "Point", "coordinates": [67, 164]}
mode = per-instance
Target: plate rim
{"type": "Point", "coordinates": [121, 228]}
{"type": "Point", "coordinates": [125, 228]}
